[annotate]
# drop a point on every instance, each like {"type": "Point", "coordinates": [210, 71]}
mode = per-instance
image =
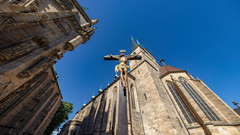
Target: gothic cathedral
{"type": "Point", "coordinates": [159, 100]}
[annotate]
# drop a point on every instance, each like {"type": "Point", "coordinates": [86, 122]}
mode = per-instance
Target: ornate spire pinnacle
{"type": "Point", "coordinates": [134, 45]}
{"type": "Point", "coordinates": [94, 21]}
{"type": "Point", "coordinates": [162, 61]}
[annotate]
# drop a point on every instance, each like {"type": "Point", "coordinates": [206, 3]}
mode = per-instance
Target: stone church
{"type": "Point", "coordinates": [33, 34]}
{"type": "Point", "coordinates": [159, 100]}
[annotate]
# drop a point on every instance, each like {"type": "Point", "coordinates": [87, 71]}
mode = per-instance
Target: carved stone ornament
{"type": "Point", "coordinates": [6, 20]}
{"type": "Point", "coordinates": [72, 44]}
{"type": "Point", "coordinates": [41, 41]}
{"type": "Point", "coordinates": [15, 50]}
{"type": "Point", "coordinates": [17, 95]}
{"type": "Point", "coordinates": [64, 4]}
{"type": "Point", "coordinates": [39, 65]}
{"type": "Point", "coordinates": [30, 9]}
{"type": "Point", "coordinates": [15, 1]}
{"type": "Point", "coordinates": [44, 16]}
{"type": "Point", "coordinates": [58, 54]}
{"type": "Point", "coordinates": [19, 49]}
{"type": "Point", "coordinates": [68, 46]}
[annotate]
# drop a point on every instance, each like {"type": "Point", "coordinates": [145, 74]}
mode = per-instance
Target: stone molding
{"type": "Point", "coordinates": [72, 44]}
{"type": "Point", "coordinates": [22, 48]}
{"type": "Point", "coordinates": [12, 99]}
{"type": "Point", "coordinates": [38, 66]}
{"type": "Point", "coordinates": [13, 19]}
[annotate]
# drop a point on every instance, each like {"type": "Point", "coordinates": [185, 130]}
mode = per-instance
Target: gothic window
{"type": "Point", "coordinates": [132, 97]}
{"type": "Point", "coordinates": [211, 115]}
{"type": "Point", "coordinates": [187, 114]}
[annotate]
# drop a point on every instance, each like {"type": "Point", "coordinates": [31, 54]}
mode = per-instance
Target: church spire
{"type": "Point", "coordinates": [134, 45]}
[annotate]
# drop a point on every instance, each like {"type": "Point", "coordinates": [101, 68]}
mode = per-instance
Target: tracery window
{"type": "Point", "coordinates": [211, 115]}
{"type": "Point", "coordinates": [187, 114]}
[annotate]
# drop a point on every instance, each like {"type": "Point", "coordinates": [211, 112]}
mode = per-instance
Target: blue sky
{"type": "Point", "coordinates": [200, 36]}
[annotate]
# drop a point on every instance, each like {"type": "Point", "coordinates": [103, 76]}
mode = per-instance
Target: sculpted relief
{"type": "Point", "coordinates": [17, 95]}
{"type": "Point", "coordinates": [19, 49]}
{"type": "Point", "coordinates": [41, 64]}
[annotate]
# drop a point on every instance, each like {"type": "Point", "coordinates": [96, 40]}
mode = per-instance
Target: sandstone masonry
{"type": "Point", "coordinates": [160, 100]}
{"type": "Point", "coordinates": [33, 34]}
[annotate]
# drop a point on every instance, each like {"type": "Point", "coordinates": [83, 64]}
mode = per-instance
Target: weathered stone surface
{"type": "Point", "coordinates": [33, 34]}
{"type": "Point", "coordinates": [151, 107]}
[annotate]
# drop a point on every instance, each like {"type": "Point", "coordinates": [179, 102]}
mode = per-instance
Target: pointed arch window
{"type": "Point", "coordinates": [211, 115]}
{"type": "Point", "coordinates": [185, 111]}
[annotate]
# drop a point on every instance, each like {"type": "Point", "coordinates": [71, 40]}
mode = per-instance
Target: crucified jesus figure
{"type": "Point", "coordinates": [122, 67]}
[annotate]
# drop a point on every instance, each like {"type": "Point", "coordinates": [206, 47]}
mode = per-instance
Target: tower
{"type": "Point", "coordinates": [33, 34]}
{"type": "Point", "coordinates": [160, 99]}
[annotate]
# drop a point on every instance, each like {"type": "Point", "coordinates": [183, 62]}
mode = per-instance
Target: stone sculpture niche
{"type": "Point", "coordinates": [19, 49]}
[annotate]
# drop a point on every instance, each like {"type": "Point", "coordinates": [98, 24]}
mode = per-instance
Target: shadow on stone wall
{"type": "Point", "coordinates": [96, 121]}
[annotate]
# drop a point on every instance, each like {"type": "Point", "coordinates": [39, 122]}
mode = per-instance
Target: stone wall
{"type": "Point", "coordinates": [152, 108]}
{"type": "Point", "coordinates": [30, 107]}
{"type": "Point", "coordinates": [33, 34]}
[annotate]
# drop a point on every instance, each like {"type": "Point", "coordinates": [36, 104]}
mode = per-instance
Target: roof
{"type": "Point", "coordinates": [166, 69]}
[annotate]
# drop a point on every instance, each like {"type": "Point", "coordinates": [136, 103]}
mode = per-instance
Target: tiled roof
{"type": "Point", "coordinates": [166, 69]}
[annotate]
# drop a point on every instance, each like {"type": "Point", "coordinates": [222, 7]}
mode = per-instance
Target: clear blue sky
{"type": "Point", "coordinates": [200, 36]}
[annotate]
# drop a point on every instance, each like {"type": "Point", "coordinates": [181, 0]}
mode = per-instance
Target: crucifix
{"type": "Point", "coordinates": [122, 67]}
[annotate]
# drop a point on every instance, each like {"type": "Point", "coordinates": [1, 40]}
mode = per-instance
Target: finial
{"type": "Point", "coordinates": [94, 21]}
{"type": "Point", "coordinates": [93, 95]}
{"type": "Point", "coordinates": [116, 76]}
{"type": "Point", "coordinates": [100, 90]}
{"type": "Point", "coordinates": [235, 103]}
{"type": "Point", "coordinates": [84, 103]}
{"type": "Point", "coordinates": [162, 61]}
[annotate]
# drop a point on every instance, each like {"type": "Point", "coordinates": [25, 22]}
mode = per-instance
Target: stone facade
{"type": "Point", "coordinates": [237, 110]}
{"type": "Point", "coordinates": [33, 34]}
{"type": "Point", "coordinates": [158, 100]}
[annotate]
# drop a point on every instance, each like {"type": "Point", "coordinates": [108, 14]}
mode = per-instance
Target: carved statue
{"type": "Point", "coordinates": [122, 67]}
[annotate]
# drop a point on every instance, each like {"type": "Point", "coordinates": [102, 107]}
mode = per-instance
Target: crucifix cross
{"type": "Point", "coordinates": [122, 67]}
